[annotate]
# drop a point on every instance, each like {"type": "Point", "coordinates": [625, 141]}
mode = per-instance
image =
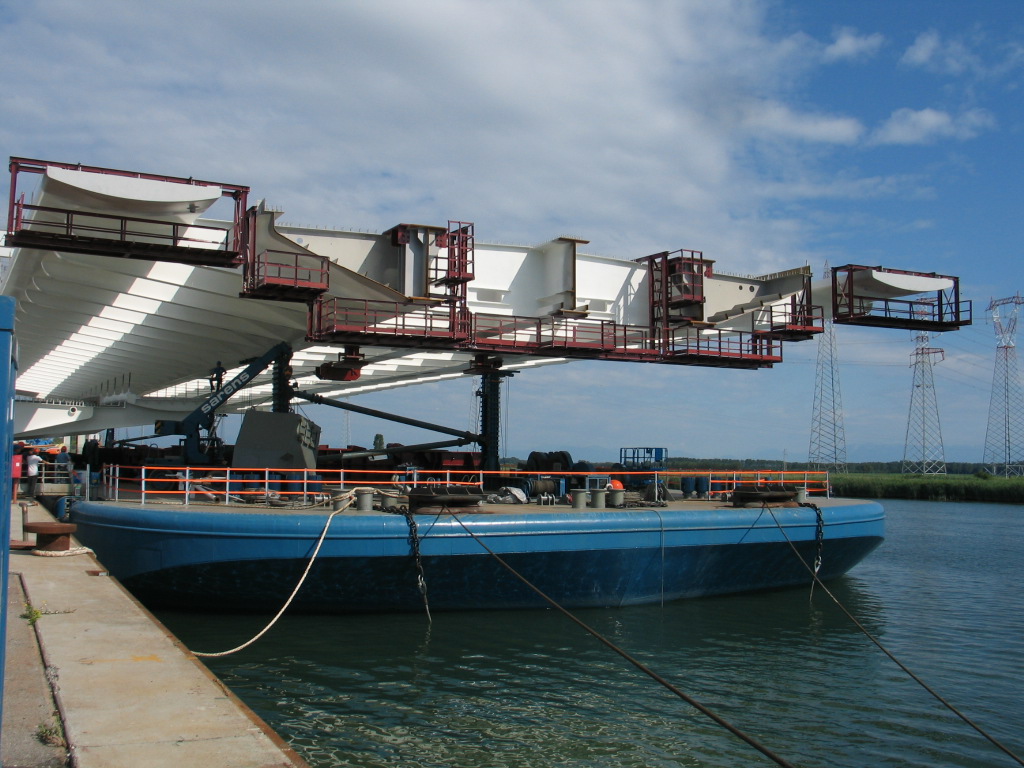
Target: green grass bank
{"type": "Point", "coordinates": [980, 487]}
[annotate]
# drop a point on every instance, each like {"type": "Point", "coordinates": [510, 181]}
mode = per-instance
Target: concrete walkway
{"type": "Point", "coordinates": [126, 693]}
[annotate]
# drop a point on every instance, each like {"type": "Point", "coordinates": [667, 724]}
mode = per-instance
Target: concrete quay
{"type": "Point", "coordinates": [102, 670]}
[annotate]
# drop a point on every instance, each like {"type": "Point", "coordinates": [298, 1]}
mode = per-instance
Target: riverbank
{"type": "Point", "coordinates": [1005, 490]}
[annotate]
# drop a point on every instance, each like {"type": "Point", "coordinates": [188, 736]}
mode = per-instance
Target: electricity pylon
{"type": "Point", "coordinates": [828, 436]}
{"type": "Point", "coordinates": [1004, 438]}
{"type": "Point", "coordinates": [923, 453]}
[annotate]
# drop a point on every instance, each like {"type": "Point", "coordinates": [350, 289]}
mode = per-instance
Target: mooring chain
{"type": "Point", "coordinates": [819, 534]}
{"type": "Point", "coordinates": [414, 543]}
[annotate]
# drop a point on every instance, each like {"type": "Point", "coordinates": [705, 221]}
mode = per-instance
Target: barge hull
{"type": "Point", "coordinates": [251, 562]}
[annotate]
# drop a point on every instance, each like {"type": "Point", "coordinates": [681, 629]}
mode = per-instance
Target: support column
{"type": "Point", "coordinates": [281, 391]}
{"type": "Point", "coordinates": [491, 375]}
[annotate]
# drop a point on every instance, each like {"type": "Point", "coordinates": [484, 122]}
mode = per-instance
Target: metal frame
{"type": "Point", "coordinates": [285, 275]}
{"type": "Point", "coordinates": [359, 321]}
{"type": "Point", "coordinates": [942, 311]}
{"type": "Point", "coordinates": [71, 239]}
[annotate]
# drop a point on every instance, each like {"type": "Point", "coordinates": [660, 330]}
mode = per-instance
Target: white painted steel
{"type": "Point", "coordinates": [137, 339]}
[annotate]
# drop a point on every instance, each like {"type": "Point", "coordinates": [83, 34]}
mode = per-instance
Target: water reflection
{"type": "Point", "coordinates": [530, 688]}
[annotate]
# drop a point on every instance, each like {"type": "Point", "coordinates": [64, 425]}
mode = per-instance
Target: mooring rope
{"type": "Point", "coordinates": [816, 580]}
{"type": "Point", "coordinates": [750, 740]}
{"type": "Point", "coordinates": [346, 503]}
{"type": "Point", "coordinates": [62, 552]}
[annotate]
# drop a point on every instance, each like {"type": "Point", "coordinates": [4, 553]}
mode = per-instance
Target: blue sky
{"type": "Point", "coordinates": [766, 134]}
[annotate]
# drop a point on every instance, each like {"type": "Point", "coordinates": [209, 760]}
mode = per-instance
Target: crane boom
{"type": "Point", "coordinates": [203, 417]}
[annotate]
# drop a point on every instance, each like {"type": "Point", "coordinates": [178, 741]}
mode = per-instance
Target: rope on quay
{"type": "Point", "coordinates": [750, 740]}
{"type": "Point", "coordinates": [348, 498]}
{"type": "Point", "coordinates": [62, 552]}
{"type": "Point", "coordinates": [815, 580]}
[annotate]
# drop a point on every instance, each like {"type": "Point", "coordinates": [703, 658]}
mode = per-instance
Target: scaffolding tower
{"type": "Point", "coordinates": [1004, 438]}
{"type": "Point", "coordinates": [828, 434]}
{"type": "Point", "coordinates": [923, 453]}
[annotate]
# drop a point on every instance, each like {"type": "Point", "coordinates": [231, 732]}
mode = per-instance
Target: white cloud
{"type": "Point", "coordinates": [924, 49]}
{"type": "Point", "coordinates": [781, 121]}
{"type": "Point", "coordinates": [642, 126]}
{"type": "Point", "coordinates": [929, 51]}
{"type": "Point", "coordinates": [849, 45]}
{"type": "Point", "coordinates": [925, 126]}
{"type": "Point", "coordinates": [532, 118]}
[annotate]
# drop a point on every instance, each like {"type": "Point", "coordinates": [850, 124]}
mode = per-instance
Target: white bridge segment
{"type": "Point", "coordinates": [125, 195]}
{"type": "Point", "coordinates": [123, 342]}
{"type": "Point", "coordinates": [895, 284]}
{"type": "Point", "coordinates": [884, 285]}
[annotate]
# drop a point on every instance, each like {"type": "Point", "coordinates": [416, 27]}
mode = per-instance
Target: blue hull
{"type": "Point", "coordinates": [252, 561]}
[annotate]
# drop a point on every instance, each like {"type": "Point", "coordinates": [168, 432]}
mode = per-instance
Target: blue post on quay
{"type": "Point", "coordinates": [8, 354]}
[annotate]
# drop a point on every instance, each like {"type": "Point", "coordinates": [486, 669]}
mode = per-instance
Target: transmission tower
{"type": "Point", "coordinates": [1004, 439]}
{"type": "Point", "coordinates": [828, 437]}
{"type": "Point", "coordinates": [922, 452]}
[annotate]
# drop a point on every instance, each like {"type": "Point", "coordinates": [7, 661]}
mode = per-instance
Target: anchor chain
{"type": "Point", "coordinates": [414, 544]}
{"type": "Point", "coordinates": [819, 542]}
{"type": "Point", "coordinates": [819, 534]}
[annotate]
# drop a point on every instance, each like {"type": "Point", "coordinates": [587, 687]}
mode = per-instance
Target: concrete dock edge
{"type": "Point", "coordinates": [127, 691]}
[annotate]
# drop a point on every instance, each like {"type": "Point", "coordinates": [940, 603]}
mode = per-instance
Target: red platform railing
{"type": "Point", "coordinates": [238, 232]}
{"type": "Point", "coordinates": [286, 274]}
{"type": "Point", "coordinates": [724, 348]}
{"type": "Point", "coordinates": [122, 229]}
{"type": "Point", "coordinates": [940, 310]}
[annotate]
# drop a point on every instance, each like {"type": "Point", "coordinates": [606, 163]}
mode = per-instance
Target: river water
{"type": "Point", "coordinates": [531, 689]}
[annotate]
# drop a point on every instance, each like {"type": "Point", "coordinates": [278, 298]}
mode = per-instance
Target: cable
{"type": "Point", "coordinates": [323, 534]}
{"type": "Point", "coordinates": [885, 650]}
{"type": "Point", "coordinates": [750, 740]}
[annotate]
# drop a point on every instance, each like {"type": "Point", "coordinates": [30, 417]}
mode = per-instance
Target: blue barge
{"type": "Point", "coordinates": [204, 557]}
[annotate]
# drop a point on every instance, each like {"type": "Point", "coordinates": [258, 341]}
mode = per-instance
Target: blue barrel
{"type": "Point", "coordinates": [314, 484]}
{"type": "Point", "coordinates": [689, 484]}
{"type": "Point", "coordinates": [702, 484]}
{"type": "Point", "coordinates": [62, 508]}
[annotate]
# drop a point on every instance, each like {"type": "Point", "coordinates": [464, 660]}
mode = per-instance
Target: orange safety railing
{"type": "Point", "coordinates": [308, 486]}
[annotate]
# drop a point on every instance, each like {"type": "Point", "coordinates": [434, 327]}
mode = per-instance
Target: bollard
{"type": "Point", "coordinates": [579, 497]}
{"type": "Point", "coordinates": [617, 498]}
{"type": "Point", "coordinates": [52, 537]}
{"type": "Point", "coordinates": [597, 498]}
{"type": "Point", "coordinates": [364, 500]}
